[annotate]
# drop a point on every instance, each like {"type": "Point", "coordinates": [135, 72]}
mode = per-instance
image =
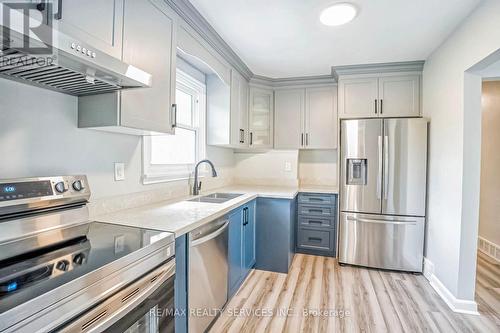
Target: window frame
{"type": "Point", "coordinates": [157, 173]}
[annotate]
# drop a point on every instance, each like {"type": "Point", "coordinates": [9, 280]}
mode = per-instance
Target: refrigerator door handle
{"type": "Point", "coordinates": [395, 222]}
{"type": "Point", "coordinates": [386, 166]}
{"type": "Point", "coordinates": [379, 172]}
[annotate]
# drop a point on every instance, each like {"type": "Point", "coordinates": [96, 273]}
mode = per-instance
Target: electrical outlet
{"type": "Point", "coordinates": [119, 171]}
{"type": "Point", "coordinates": [288, 166]}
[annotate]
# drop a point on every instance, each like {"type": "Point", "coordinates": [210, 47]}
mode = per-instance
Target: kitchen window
{"type": "Point", "coordinates": [172, 157]}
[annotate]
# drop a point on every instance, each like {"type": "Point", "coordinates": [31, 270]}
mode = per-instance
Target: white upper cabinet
{"type": "Point", "coordinates": [305, 118]}
{"type": "Point", "coordinates": [149, 43]}
{"type": "Point", "coordinates": [379, 96]}
{"type": "Point", "coordinates": [289, 118]}
{"type": "Point", "coordinates": [358, 97]}
{"type": "Point", "coordinates": [261, 113]}
{"type": "Point", "coordinates": [240, 136]}
{"type": "Point", "coordinates": [321, 118]}
{"type": "Point", "coordinates": [148, 27]}
{"type": "Point", "coordinates": [399, 96]}
{"type": "Point", "coordinates": [96, 22]}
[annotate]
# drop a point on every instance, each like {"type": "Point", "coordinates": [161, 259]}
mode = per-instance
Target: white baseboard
{"type": "Point", "coordinates": [491, 249]}
{"type": "Point", "coordinates": [455, 304]}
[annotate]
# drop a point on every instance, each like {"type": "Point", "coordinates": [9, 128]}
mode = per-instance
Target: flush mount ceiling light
{"type": "Point", "coordinates": [338, 14]}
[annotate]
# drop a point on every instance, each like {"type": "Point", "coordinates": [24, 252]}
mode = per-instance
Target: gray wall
{"type": "Point", "coordinates": [452, 103]}
{"type": "Point", "coordinates": [39, 136]}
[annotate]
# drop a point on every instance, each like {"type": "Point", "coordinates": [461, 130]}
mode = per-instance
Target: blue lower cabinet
{"type": "Point", "coordinates": [249, 238]}
{"type": "Point", "coordinates": [317, 224]}
{"type": "Point", "coordinates": [241, 245]}
{"type": "Point", "coordinates": [181, 284]}
{"type": "Point", "coordinates": [235, 250]}
{"type": "Point", "coordinates": [275, 234]}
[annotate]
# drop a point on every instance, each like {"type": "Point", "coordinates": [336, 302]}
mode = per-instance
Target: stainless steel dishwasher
{"type": "Point", "coordinates": [208, 274]}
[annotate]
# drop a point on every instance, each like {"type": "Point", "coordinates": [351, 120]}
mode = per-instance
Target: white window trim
{"type": "Point", "coordinates": [158, 173]}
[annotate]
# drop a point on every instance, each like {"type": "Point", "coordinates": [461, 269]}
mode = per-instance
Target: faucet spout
{"type": "Point", "coordinates": [197, 186]}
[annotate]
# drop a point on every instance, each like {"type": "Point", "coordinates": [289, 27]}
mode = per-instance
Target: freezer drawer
{"type": "Point", "coordinates": [379, 241]}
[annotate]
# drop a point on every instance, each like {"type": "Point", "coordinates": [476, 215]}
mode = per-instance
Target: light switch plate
{"type": "Point", "coordinates": [119, 171]}
{"type": "Point", "coordinates": [288, 166]}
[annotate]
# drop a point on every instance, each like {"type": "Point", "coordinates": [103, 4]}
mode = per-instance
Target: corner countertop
{"type": "Point", "coordinates": [180, 216]}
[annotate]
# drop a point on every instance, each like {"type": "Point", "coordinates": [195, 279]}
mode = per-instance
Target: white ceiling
{"type": "Point", "coordinates": [284, 38]}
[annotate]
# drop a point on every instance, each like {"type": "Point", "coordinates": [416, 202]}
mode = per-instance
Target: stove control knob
{"type": "Point", "coordinates": [62, 265]}
{"type": "Point", "coordinates": [61, 187]}
{"type": "Point", "coordinates": [79, 258]}
{"type": "Point", "coordinates": [78, 185]}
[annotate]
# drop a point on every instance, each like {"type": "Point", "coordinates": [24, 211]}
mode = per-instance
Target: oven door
{"type": "Point", "coordinates": [144, 306]}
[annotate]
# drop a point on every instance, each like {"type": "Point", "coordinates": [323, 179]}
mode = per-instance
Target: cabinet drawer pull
{"type": "Point", "coordinates": [315, 239]}
{"type": "Point", "coordinates": [316, 199]}
{"type": "Point", "coordinates": [315, 222]}
{"type": "Point", "coordinates": [315, 211]}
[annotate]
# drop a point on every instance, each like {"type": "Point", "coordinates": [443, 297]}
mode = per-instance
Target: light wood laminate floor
{"type": "Point", "coordinates": [488, 286]}
{"type": "Point", "coordinates": [351, 299]}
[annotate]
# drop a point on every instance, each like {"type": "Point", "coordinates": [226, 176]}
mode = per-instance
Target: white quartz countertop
{"type": "Point", "coordinates": [181, 216]}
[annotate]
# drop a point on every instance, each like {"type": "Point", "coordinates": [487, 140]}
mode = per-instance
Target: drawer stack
{"type": "Point", "coordinates": [317, 224]}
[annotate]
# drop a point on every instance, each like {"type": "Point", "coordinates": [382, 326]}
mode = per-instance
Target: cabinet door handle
{"type": "Point", "coordinates": [381, 106]}
{"type": "Point", "coordinates": [242, 136]}
{"type": "Point", "coordinates": [58, 15]}
{"type": "Point", "coordinates": [376, 106]}
{"type": "Point", "coordinates": [251, 138]}
{"type": "Point", "coordinates": [174, 115]}
{"type": "Point", "coordinates": [302, 139]}
{"type": "Point", "coordinates": [307, 139]}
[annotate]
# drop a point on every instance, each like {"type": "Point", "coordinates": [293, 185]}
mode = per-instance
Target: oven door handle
{"type": "Point", "coordinates": [117, 306]}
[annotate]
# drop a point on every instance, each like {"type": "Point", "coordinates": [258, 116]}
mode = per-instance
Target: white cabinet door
{"type": "Point", "coordinates": [261, 117]}
{"type": "Point", "coordinates": [399, 96]}
{"type": "Point", "coordinates": [321, 118]}
{"type": "Point", "coordinates": [239, 110]}
{"type": "Point", "coordinates": [358, 98]}
{"type": "Point", "coordinates": [289, 119]}
{"type": "Point", "coordinates": [149, 44]}
{"type": "Point", "coordinates": [96, 22]}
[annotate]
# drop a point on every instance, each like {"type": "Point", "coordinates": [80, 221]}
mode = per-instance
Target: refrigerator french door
{"type": "Point", "coordinates": [383, 193]}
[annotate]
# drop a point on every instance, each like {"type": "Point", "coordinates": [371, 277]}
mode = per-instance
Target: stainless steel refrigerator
{"type": "Point", "coordinates": [383, 193]}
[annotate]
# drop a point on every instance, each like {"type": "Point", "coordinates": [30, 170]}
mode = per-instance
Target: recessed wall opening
{"type": "Point", "coordinates": [488, 256]}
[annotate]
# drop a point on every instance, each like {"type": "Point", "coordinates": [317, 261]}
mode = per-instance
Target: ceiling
{"type": "Point", "coordinates": [284, 38]}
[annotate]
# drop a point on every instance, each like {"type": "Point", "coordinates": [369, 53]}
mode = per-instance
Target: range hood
{"type": "Point", "coordinates": [72, 67]}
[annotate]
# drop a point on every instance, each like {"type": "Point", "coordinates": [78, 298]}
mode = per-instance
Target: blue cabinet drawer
{"type": "Point", "coordinates": [310, 210]}
{"type": "Point", "coordinates": [316, 222]}
{"type": "Point", "coordinates": [312, 239]}
{"type": "Point", "coordinates": [316, 199]}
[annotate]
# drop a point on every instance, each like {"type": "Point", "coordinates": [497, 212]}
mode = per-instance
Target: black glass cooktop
{"type": "Point", "coordinates": [36, 272]}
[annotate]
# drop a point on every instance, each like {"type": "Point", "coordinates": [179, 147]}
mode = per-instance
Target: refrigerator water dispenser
{"type": "Point", "coordinates": [356, 171]}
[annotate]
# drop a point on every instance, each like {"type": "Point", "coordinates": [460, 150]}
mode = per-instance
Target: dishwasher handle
{"type": "Point", "coordinates": [210, 236]}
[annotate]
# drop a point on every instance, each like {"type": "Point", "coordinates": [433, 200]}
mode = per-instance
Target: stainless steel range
{"type": "Point", "coordinates": [61, 272]}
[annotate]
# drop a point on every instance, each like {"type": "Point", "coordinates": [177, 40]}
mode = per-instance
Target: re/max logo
{"type": "Point", "coordinates": [32, 19]}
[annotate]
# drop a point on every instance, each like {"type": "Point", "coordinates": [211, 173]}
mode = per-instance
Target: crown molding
{"type": "Point", "coordinates": [392, 67]}
{"type": "Point", "coordinates": [190, 14]}
{"type": "Point", "coordinates": [292, 81]}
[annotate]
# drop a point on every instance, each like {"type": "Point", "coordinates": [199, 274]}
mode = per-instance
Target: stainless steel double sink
{"type": "Point", "coordinates": [216, 197]}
